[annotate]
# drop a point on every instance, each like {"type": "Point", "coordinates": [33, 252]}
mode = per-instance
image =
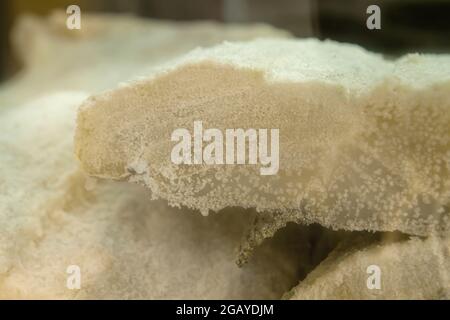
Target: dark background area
{"type": "Point", "coordinates": [406, 25]}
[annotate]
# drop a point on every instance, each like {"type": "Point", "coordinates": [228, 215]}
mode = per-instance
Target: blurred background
{"type": "Point", "coordinates": [406, 25]}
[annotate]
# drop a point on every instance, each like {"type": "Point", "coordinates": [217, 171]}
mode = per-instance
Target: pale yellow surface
{"type": "Point", "coordinates": [364, 142]}
{"type": "Point", "coordinates": [364, 146]}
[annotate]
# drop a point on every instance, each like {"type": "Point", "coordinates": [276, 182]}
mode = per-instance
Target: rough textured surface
{"type": "Point", "coordinates": [52, 216]}
{"type": "Point", "coordinates": [126, 245]}
{"type": "Point", "coordinates": [364, 145]}
{"type": "Point", "coordinates": [410, 269]}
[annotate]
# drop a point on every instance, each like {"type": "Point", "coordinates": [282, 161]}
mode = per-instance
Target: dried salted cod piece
{"type": "Point", "coordinates": [363, 142]}
{"type": "Point", "coordinates": [409, 133]}
{"type": "Point", "coordinates": [408, 269]}
{"type": "Point", "coordinates": [125, 245]}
